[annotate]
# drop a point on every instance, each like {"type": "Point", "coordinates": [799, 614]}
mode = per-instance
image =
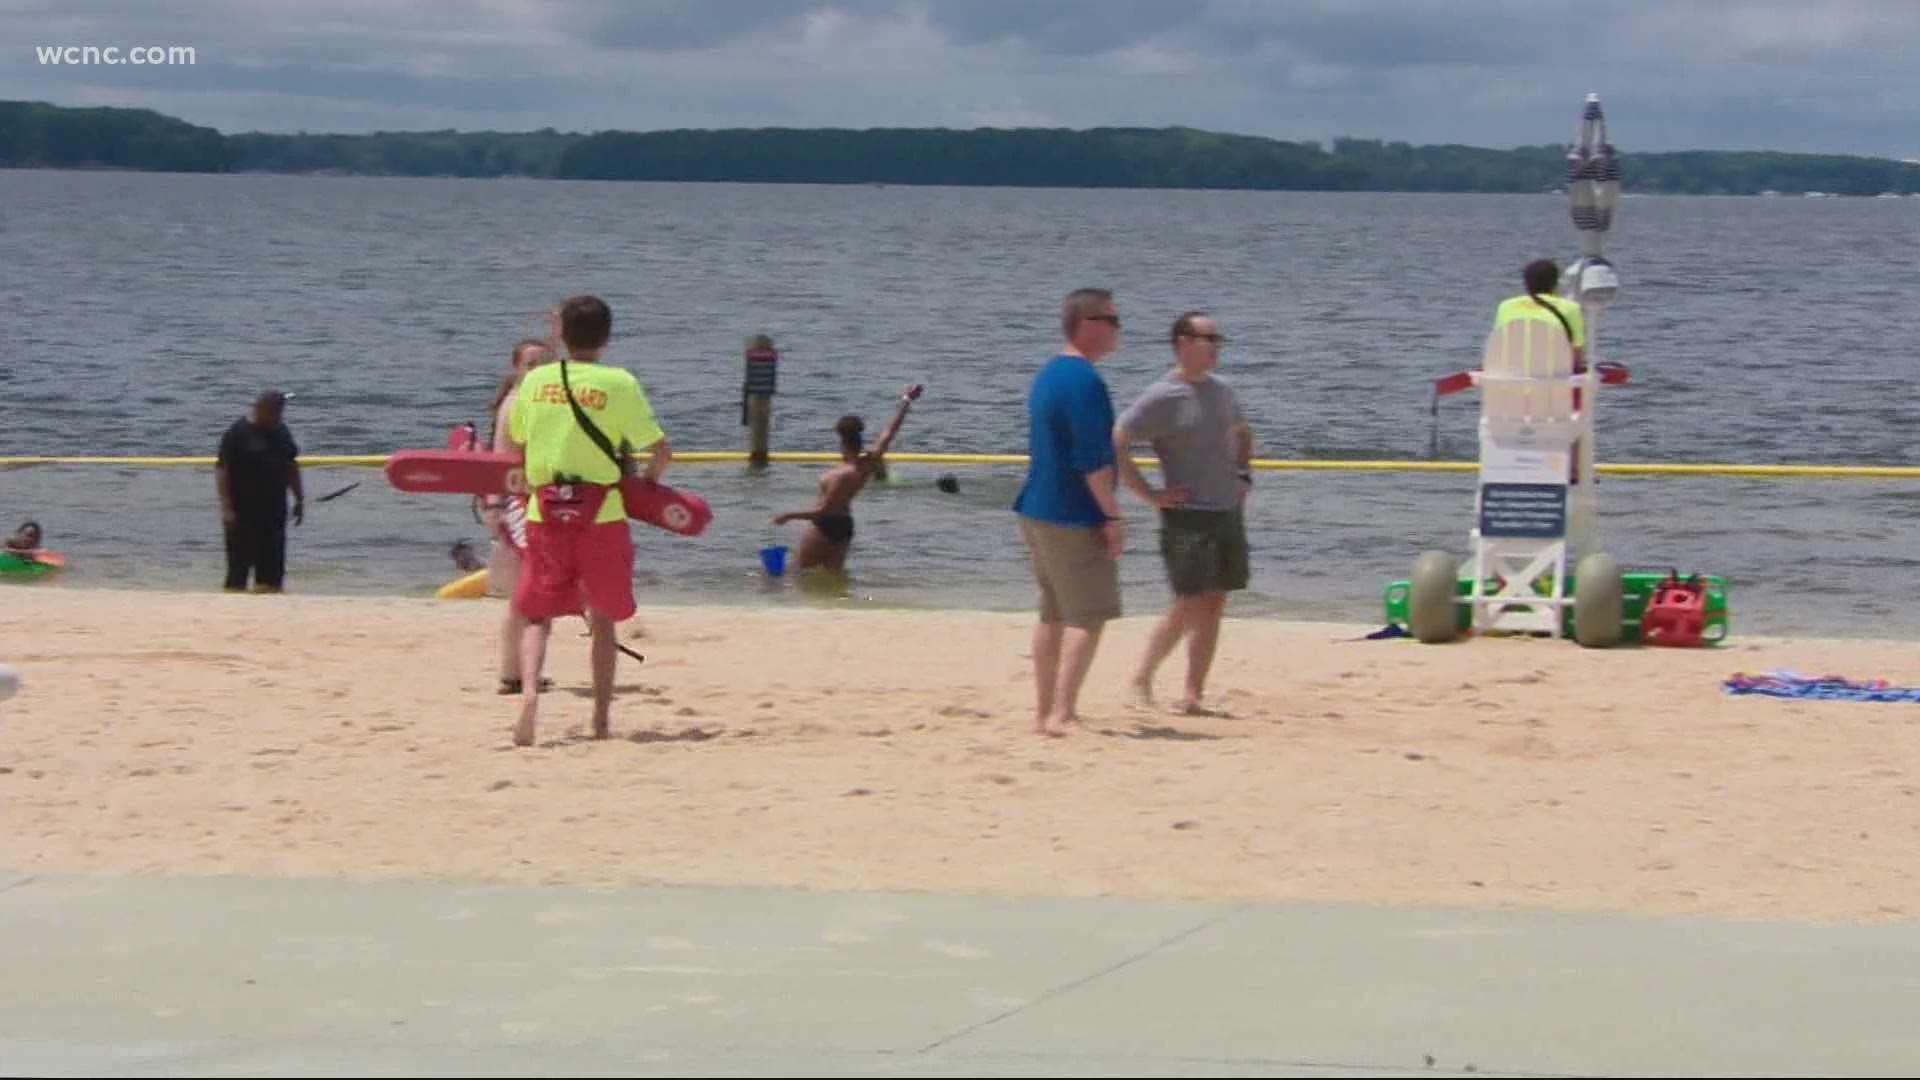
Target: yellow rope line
{"type": "Point", "coordinates": [1647, 468]}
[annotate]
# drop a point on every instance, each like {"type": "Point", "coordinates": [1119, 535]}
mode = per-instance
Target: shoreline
{"type": "Point", "coordinates": [1548, 189]}
{"type": "Point", "coordinates": [188, 734]}
{"type": "Point", "coordinates": [657, 601]}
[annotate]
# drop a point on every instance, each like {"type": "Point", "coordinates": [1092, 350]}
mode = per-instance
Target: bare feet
{"type": "Point", "coordinates": [1142, 687]}
{"type": "Point", "coordinates": [1056, 726]}
{"type": "Point", "coordinates": [601, 727]}
{"type": "Point", "coordinates": [1194, 707]}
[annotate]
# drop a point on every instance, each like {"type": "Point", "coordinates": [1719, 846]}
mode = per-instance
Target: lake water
{"type": "Point", "coordinates": [144, 311]}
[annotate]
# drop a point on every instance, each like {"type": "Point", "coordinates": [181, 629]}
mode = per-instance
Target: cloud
{"type": "Point", "coordinates": [1706, 73]}
{"type": "Point", "coordinates": [675, 25]}
{"type": "Point", "coordinates": [1062, 28]}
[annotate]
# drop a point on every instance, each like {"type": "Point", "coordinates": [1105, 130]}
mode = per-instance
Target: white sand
{"type": "Point", "coordinates": [212, 734]}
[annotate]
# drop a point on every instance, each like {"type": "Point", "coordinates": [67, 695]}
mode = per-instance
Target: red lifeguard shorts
{"type": "Point", "coordinates": [571, 567]}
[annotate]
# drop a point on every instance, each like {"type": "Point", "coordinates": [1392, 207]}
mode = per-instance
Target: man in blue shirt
{"type": "Point", "coordinates": [1068, 511]}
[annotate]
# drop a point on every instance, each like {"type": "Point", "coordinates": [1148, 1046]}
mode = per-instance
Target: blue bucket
{"type": "Point", "coordinates": [774, 559]}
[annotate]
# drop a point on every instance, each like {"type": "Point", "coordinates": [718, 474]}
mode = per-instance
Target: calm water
{"type": "Point", "coordinates": [143, 312]}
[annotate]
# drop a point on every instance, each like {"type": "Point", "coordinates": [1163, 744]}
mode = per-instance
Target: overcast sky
{"type": "Point", "coordinates": [1814, 75]}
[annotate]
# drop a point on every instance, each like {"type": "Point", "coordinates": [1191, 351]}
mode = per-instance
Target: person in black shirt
{"type": "Point", "coordinates": [259, 462]}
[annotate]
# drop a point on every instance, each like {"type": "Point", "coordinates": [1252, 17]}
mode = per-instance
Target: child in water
{"type": "Point", "coordinates": [26, 539]}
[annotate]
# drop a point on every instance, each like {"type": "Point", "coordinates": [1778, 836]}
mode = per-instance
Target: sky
{"type": "Point", "coordinates": [1831, 76]}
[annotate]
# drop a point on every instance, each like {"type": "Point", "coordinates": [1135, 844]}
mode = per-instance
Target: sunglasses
{"type": "Point", "coordinates": [1113, 320]}
{"type": "Point", "coordinates": [1217, 339]}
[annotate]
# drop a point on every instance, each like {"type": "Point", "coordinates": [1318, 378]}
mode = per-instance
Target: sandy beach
{"type": "Point", "coordinates": [304, 736]}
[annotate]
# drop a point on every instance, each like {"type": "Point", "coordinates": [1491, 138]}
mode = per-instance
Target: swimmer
{"type": "Point", "coordinates": [464, 558]}
{"type": "Point", "coordinates": [26, 539]}
{"type": "Point", "coordinates": [826, 543]}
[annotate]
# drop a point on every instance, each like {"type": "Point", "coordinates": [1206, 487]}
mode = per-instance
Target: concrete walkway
{"type": "Point", "coordinates": [229, 977]}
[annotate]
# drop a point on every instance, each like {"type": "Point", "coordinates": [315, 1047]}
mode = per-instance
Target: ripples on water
{"type": "Point", "coordinates": [146, 310]}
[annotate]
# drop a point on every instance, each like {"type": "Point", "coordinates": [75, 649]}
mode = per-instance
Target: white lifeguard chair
{"type": "Point", "coordinates": [1535, 508]}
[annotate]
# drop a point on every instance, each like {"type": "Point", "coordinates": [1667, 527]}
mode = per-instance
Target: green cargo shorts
{"type": "Point", "coordinates": [1205, 550]}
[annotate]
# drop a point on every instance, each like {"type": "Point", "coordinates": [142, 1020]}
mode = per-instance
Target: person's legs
{"type": "Point", "coordinates": [759, 421]}
{"type": "Point", "coordinates": [510, 632]}
{"type": "Point", "coordinates": [1230, 572]}
{"type": "Point", "coordinates": [533, 655]}
{"type": "Point", "coordinates": [1047, 638]}
{"type": "Point", "coordinates": [270, 555]}
{"type": "Point", "coordinates": [1186, 550]}
{"type": "Point", "coordinates": [814, 549]}
{"type": "Point", "coordinates": [503, 577]}
{"type": "Point", "coordinates": [239, 556]}
{"type": "Point", "coordinates": [1077, 649]}
{"type": "Point", "coordinates": [1047, 632]}
{"type": "Point", "coordinates": [1086, 585]}
{"type": "Point", "coordinates": [503, 569]}
{"type": "Point", "coordinates": [1205, 611]}
{"type": "Point", "coordinates": [606, 568]}
{"type": "Point", "coordinates": [1166, 634]}
{"type": "Point", "coordinates": [836, 557]}
{"type": "Point", "coordinates": [604, 657]}
{"type": "Point", "coordinates": [546, 590]}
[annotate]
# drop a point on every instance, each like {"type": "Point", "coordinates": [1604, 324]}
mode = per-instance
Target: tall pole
{"type": "Point", "coordinates": [1593, 189]}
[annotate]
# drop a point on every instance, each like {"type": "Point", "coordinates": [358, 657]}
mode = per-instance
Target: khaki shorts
{"type": "Point", "coordinates": [1079, 583]}
{"type": "Point", "coordinates": [1205, 550]}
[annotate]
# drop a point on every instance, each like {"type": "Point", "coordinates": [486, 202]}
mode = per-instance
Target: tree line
{"type": "Point", "coordinates": [39, 135]}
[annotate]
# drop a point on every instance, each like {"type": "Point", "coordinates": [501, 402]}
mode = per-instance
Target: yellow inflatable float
{"type": "Point", "coordinates": [471, 587]}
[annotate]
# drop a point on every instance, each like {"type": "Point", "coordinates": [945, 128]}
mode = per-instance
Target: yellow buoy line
{"type": "Point", "coordinates": [1616, 468]}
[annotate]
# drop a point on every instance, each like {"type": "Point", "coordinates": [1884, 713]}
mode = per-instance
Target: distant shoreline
{"type": "Point", "coordinates": [35, 135]}
{"type": "Point", "coordinates": [334, 174]}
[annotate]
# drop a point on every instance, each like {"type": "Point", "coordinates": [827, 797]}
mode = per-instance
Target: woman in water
{"type": "Point", "coordinates": [826, 543]}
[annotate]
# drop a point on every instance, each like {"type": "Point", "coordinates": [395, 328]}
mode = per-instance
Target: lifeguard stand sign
{"type": "Point", "coordinates": [1531, 426]}
{"type": "Point", "coordinates": [1523, 493]}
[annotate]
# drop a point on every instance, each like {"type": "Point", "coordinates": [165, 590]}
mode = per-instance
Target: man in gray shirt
{"type": "Point", "coordinates": [1200, 434]}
